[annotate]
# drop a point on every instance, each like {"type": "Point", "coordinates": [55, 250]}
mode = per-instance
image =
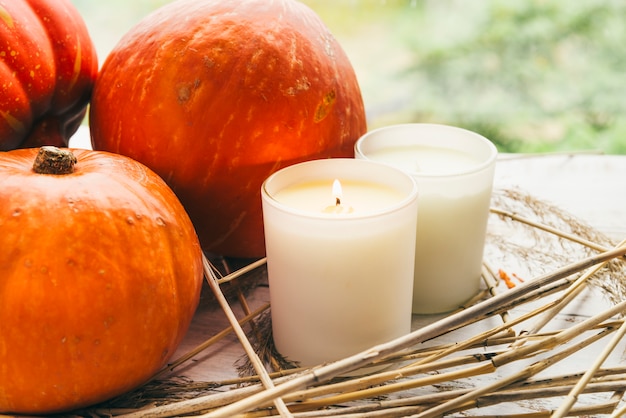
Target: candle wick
{"type": "Point", "coordinates": [337, 201]}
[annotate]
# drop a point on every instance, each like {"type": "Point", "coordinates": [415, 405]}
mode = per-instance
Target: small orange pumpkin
{"type": "Point", "coordinates": [100, 275]}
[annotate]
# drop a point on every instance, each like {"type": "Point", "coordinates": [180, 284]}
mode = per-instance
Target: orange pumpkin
{"type": "Point", "coordinates": [216, 95]}
{"type": "Point", "coordinates": [100, 275]}
{"type": "Point", "coordinates": [48, 65]}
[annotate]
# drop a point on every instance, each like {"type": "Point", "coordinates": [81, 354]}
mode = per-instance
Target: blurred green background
{"type": "Point", "coordinates": [531, 75]}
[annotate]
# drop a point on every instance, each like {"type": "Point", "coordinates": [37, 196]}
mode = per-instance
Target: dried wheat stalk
{"type": "Point", "coordinates": [265, 379]}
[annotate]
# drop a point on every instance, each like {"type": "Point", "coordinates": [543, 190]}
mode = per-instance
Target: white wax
{"type": "Point", "coordinates": [339, 284]}
{"type": "Point", "coordinates": [426, 159]}
{"type": "Point", "coordinates": [449, 250]}
{"type": "Point", "coordinates": [361, 197]}
{"type": "Point", "coordinates": [454, 172]}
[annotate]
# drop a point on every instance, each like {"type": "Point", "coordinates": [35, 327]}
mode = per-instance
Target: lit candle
{"type": "Point", "coordinates": [340, 263]}
{"type": "Point", "coordinates": [454, 170]}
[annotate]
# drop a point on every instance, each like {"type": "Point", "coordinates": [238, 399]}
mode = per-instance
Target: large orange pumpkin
{"type": "Point", "coordinates": [48, 65]}
{"type": "Point", "coordinates": [216, 95]}
{"type": "Point", "coordinates": [100, 274]}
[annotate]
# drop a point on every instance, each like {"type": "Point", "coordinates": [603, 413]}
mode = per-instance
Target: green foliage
{"type": "Point", "coordinates": [531, 75]}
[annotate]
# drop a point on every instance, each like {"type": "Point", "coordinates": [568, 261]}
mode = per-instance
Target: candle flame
{"type": "Point", "coordinates": [337, 192]}
{"type": "Point", "coordinates": [338, 208]}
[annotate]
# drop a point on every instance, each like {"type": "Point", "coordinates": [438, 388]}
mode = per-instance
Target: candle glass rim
{"type": "Point", "coordinates": [486, 163]}
{"type": "Point", "coordinates": [410, 198]}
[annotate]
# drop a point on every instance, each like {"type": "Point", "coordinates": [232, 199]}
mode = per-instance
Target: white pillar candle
{"type": "Point", "coordinates": [454, 171]}
{"type": "Point", "coordinates": [340, 276]}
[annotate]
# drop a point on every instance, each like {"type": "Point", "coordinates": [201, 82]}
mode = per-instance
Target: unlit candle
{"type": "Point", "coordinates": [454, 170]}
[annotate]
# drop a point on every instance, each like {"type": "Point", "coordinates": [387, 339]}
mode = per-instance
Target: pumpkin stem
{"type": "Point", "coordinates": [53, 160]}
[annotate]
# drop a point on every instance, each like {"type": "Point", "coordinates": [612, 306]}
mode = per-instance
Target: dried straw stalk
{"type": "Point", "coordinates": [550, 229]}
{"type": "Point", "coordinates": [355, 390]}
{"type": "Point", "coordinates": [619, 412]}
{"type": "Point", "coordinates": [572, 397]}
{"type": "Point", "coordinates": [325, 373]}
{"type": "Point", "coordinates": [515, 233]}
{"type": "Point", "coordinates": [258, 365]}
{"type": "Point", "coordinates": [206, 344]}
{"type": "Point", "coordinates": [242, 271]}
{"type": "Point", "coordinates": [349, 388]}
{"type": "Point", "coordinates": [406, 406]}
{"type": "Point", "coordinates": [509, 356]}
{"type": "Point", "coordinates": [490, 364]}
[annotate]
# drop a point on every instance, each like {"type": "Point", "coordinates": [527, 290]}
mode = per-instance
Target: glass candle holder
{"type": "Point", "coordinates": [340, 238]}
{"type": "Point", "coordinates": [454, 171]}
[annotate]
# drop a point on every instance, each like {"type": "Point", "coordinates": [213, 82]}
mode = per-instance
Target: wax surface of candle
{"type": "Point", "coordinates": [316, 196]}
{"type": "Point", "coordinates": [425, 159]}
